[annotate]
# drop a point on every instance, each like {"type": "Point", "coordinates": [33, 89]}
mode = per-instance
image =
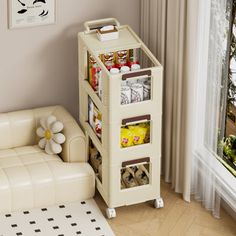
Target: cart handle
{"type": "Point", "coordinates": [136, 118]}
{"type": "Point", "coordinates": [136, 74]}
{"type": "Point", "coordinates": [105, 21]}
{"type": "Point", "coordinates": [136, 161]}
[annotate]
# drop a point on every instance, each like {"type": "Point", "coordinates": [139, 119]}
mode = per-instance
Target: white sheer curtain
{"type": "Point", "coordinates": [210, 180]}
{"type": "Point", "coordinates": [168, 27]}
{"type": "Point", "coordinates": [187, 36]}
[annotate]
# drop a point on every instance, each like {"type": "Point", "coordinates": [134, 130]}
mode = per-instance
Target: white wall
{"type": "Point", "coordinates": [38, 66]}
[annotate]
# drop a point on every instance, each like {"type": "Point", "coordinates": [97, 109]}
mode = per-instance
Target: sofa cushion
{"type": "Point", "coordinates": [17, 128]}
{"type": "Point", "coordinates": [31, 178]}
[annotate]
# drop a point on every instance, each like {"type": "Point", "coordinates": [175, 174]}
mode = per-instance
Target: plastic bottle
{"type": "Point", "coordinates": [114, 71]}
{"type": "Point", "coordinates": [135, 67]}
{"type": "Point", "coordinates": [124, 69]}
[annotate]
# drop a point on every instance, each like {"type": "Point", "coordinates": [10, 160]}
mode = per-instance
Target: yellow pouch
{"type": "Point", "coordinates": [147, 137]}
{"type": "Point", "coordinates": [126, 137]}
{"type": "Point", "coordinates": [139, 134]}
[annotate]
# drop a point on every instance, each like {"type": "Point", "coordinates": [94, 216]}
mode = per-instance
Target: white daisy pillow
{"type": "Point", "coordinates": [49, 132]}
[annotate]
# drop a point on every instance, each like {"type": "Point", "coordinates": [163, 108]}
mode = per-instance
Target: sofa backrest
{"type": "Point", "coordinates": [19, 128]}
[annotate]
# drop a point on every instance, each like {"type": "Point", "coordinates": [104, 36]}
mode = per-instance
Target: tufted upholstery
{"type": "Point", "coordinates": [18, 129]}
{"type": "Point", "coordinates": [31, 178]}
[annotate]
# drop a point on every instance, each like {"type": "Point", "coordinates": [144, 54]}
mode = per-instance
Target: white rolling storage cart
{"type": "Point", "coordinates": [120, 86]}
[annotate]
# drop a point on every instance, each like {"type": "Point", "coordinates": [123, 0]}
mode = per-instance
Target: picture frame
{"type": "Point", "coordinates": [29, 13]}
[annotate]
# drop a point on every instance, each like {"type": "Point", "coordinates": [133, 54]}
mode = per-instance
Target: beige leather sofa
{"type": "Point", "coordinates": [31, 178]}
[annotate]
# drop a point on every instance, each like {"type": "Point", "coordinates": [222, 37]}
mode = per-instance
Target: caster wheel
{"type": "Point", "coordinates": [158, 203]}
{"type": "Point", "coordinates": [111, 213]}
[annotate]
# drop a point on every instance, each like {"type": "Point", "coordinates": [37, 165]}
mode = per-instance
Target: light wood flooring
{"type": "Point", "coordinates": [177, 218]}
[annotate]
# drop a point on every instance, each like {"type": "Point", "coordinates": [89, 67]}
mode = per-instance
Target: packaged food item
{"type": "Point", "coordinates": [135, 67]}
{"type": "Point", "coordinates": [124, 69]}
{"type": "Point", "coordinates": [94, 118]}
{"type": "Point", "coordinates": [142, 79]}
{"type": "Point", "coordinates": [139, 134]}
{"type": "Point", "coordinates": [136, 92]}
{"type": "Point", "coordinates": [133, 57]}
{"type": "Point", "coordinates": [98, 127]}
{"type": "Point", "coordinates": [90, 112]}
{"type": "Point", "coordinates": [97, 119]}
{"type": "Point", "coordinates": [109, 60]}
{"type": "Point", "coordinates": [122, 58]}
{"type": "Point", "coordinates": [124, 83]}
{"type": "Point", "coordinates": [94, 73]}
{"type": "Point", "coordinates": [125, 95]}
{"type": "Point", "coordinates": [126, 137]}
{"type": "Point", "coordinates": [147, 90]}
{"type": "Point", "coordinates": [147, 126]}
{"type": "Point", "coordinates": [132, 81]}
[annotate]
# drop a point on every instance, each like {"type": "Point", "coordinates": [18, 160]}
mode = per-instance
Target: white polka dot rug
{"type": "Point", "coordinates": [73, 219]}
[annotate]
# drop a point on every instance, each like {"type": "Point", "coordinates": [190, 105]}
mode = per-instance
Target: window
{"type": "Point", "coordinates": [227, 125]}
{"type": "Point", "coordinates": [211, 180]}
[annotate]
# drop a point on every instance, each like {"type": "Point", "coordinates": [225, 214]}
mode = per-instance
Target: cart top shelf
{"type": "Point", "coordinates": [127, 39]}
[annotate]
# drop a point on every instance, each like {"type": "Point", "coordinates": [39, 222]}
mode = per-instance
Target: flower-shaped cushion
{"type": "Point", "coordinates": [49, 132]}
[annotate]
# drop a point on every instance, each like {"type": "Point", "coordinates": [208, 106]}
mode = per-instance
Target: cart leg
{"type": "Point", "coordinates": [158, 203]}
{"type": "Point", "coordinates": [111, 213]}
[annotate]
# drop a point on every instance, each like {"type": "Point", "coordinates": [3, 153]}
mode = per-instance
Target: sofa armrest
{"type": "Point", "coordinates": [74, 148]}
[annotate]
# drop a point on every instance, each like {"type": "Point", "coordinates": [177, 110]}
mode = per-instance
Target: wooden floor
{"type": "Point", "coordinates": [177, 218]}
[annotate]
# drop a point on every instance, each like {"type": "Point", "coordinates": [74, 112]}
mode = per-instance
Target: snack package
{"type": "Point", "coordinates": [97, 120]}
{"type": "Point", "coordinates": [98, 127]}
{"type": "Point", "coordinates": [139, 134]}
{"type": "Point", "coordinates": [125, 95]}
{"type": "Point", "coordinates": [126, 137]}
{"type": "Point", "coordinates": [147, 137]}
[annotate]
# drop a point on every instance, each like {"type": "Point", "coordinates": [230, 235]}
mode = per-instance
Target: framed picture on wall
{"type": "Point", "coordinates": [26, 13]}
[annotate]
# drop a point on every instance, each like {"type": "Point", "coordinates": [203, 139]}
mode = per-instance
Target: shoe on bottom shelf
{"type": "Point", "coordinates": [141, 175]}
{"type": "Point", "coordinates": [129, 178]}
{"type": "Point", "coordinates": [122, 184]}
